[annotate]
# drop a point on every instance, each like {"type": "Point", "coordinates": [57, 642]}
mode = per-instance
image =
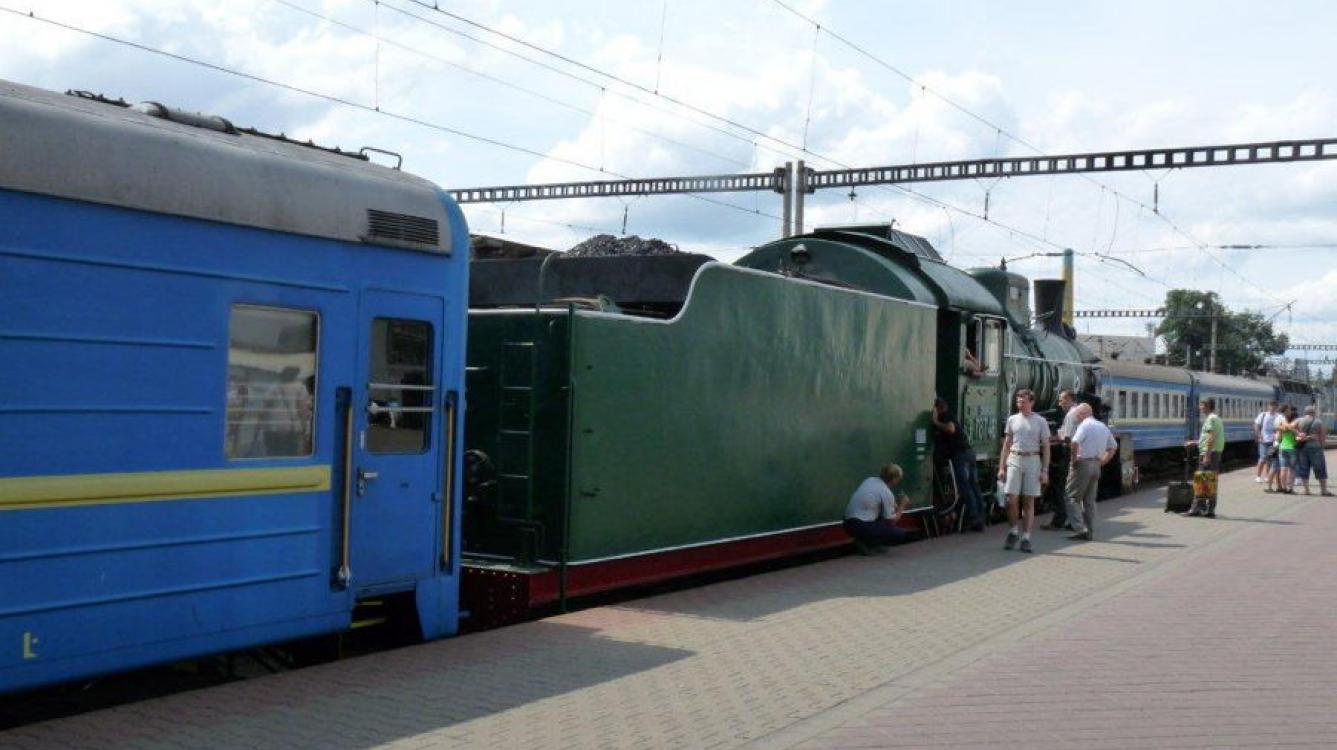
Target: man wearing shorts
{"type": "Point", "coordinates": [1264, 434]}
{"type": "Point", "coordinates": [1023, 466]}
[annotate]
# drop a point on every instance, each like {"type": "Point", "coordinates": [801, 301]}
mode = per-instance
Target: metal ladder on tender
{"type": "Point", "coordinates": [515, 433]}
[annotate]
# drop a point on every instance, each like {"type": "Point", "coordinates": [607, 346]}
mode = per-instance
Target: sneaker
{"type": "Point", "coordinates": [1011, 541]}
{"type": "Point", "coordinates": [1209, 514]}
{"type": "Point", "coordinates": [1258, 480]}
{"type": "Point", "coordinates": [1081, 536]}
{"type": "Point", "coordinates": [1026, 545]}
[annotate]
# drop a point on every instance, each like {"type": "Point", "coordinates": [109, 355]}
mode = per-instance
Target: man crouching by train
{"type": "Point", "coordinates": [872, 513]}
{"type": "Point", "coordinates": [1023, 466]}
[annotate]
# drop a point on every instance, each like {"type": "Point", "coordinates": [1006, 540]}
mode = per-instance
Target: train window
{"type": "Point", "coordinates": [399, 411]}
{"type": "Point", "coordinates": [992, 356]}
{"type": "Point", "coordinates": [271, 379]}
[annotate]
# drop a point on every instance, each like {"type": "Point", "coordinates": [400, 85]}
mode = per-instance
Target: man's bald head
{"type": "Point", "coordinates": [1083, 411]}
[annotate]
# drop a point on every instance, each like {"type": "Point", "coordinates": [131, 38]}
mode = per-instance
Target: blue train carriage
{"type": "Point", "coordinates": [1238, 402]}
{"type": "Point", "coordinates": [1152, 403]}
{"type": "Point", "coordinates": [230, 404]}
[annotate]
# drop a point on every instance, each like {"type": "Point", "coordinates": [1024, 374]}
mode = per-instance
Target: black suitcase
{"type": "Point", "coordinates": [1179, 495]}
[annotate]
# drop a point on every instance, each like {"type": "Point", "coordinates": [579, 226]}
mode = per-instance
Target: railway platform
{"type": "Point", "coordinates": [1166, 632]}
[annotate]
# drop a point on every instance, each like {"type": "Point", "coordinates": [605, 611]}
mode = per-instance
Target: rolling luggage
{"type": "Point", "coordinates": [1179, 495]}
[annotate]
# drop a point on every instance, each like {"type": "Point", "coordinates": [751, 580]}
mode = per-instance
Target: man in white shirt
{"type": "Point", "coordinates": [1092, 447]}
{"type": "Point", "coordinates": [1023, 466]}
{"type": "Point", "coordinates": [1264, 434]}
{"type": "Point", "coordinates": [872, 513]}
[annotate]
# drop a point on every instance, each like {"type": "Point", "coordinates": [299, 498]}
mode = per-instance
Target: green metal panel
{"type": "Point", "coordinates": [1010, 290]}
{"type": "Point", "coordinates": [758, 409]}
{"type": "Point", "coordinates": [888, 266]}
{"type": "Point", "coordinates": [517, 415]}
{"type": "Point", "coordinates": [982, 416]}
{"type": "Point", "coordinates": [958, 289]}
{"type": "Point", "coordinates": [837, 260]}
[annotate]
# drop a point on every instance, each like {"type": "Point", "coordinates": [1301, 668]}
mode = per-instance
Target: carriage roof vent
{"type": "Point", "coordinates": [193, 119]}
{"type": "Point", "coordinates": [388, 227]}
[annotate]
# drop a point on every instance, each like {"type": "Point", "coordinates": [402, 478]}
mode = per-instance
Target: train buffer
{"type": "Point", "coordinates": [1165, 630]}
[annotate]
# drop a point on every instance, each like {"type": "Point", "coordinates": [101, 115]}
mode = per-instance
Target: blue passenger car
{"type": "Point", "coordinates": [1154, 404]}
{"type": "Point", "coordinates": [1238, 402]}
{"type": "Point", "coordinates": [229, 398]}
{"type": "Point", "coordinates": [1158, 405]}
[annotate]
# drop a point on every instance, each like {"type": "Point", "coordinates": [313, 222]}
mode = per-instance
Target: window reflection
{"type": "Point", "coordinates": [271, 380]}
{"type": "Point", "coordinates": [399, 411]}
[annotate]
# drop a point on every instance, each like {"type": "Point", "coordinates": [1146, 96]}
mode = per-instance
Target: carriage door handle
{"type": "Point", "coordinates": [364, 476]}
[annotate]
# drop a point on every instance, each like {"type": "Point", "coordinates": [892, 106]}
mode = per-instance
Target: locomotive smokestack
{"type": "Point", "coordinates": [1049, 295]}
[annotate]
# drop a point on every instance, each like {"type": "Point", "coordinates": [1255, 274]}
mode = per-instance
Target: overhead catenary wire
{"type": "Point", "coordinates": [732, 122]}
{"type": "Point", "coordinates": [382, 39]}
{"type": "Point", "coordinates": [999, 131]}
{"type": "Point", "coordinates": [1019, 140]}
{"type": "Point", "coordinates": [597, 71]}
{"type": "Point", "coordinates": [343, 101]}
{"type": "Point", "coordinates": [942, 204]}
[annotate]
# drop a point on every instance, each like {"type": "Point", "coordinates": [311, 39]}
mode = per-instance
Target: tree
{"type": "Point", "coordinates": [1243, 339]}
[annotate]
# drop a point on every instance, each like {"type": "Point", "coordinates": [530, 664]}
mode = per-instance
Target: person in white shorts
{"type": "Point", "coordinates": [1023, 466]}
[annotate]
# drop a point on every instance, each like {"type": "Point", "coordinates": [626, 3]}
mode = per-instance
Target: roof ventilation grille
{"type": "Point", "coordinates": [402, 228]}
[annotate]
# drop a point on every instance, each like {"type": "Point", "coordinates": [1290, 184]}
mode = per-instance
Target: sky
{"type": "Point", "coordinates": [744, 85]}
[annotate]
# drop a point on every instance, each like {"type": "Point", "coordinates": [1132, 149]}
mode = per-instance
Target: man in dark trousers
{"type": "Point", "coordinates": [872, 512]}
{"type": "Point", "coordinates": [1062, 461]}
{"type": "Point", "coordinates": [950, 445]}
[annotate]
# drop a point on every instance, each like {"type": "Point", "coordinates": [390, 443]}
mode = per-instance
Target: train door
{"type": "Point", "coordinates": [397, 454]}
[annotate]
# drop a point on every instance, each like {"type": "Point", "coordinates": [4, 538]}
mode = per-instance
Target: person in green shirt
{"type": "Point", "coordinates": [1211, 443]}
{"type": "Point", "coordinates": [1287, 427]}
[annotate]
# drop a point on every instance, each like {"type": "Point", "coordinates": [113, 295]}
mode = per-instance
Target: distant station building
{"type": "Point", "coordinates": [1123, 348]}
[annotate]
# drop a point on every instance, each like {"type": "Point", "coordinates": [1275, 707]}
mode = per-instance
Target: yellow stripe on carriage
{"type": "Point", "coordinates": [24, 493]}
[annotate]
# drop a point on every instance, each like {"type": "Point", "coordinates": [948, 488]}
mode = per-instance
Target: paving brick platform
{"type": "Point", "coordinates": [1169, 632]}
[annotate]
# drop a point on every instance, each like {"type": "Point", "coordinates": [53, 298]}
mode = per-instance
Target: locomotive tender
{"type": "Point", "coordinates": [716, 415]}
{"type": "Point", "coordinates": [229, 398]}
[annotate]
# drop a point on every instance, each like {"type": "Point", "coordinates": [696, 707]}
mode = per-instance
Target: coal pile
{"type": "Point", "coordinates": [606, 245]}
